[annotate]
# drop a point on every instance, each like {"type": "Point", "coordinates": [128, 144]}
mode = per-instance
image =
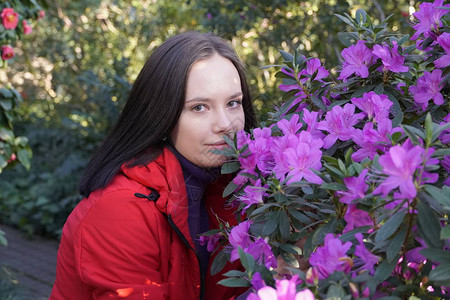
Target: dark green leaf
{"type": "Point", "coordinates": [390, 226]}
{"type": "Point", "coordinates": [299, 216]}
{"type": "Point", "coordinates": [319, 103]}
{"type": "Point", "coordinates": [385, 269]}
{"type": "Point", "coordinates": [439, 195]}
{"type": "Point", "coordinates": [286, 56]}
{"type": "Point", "coordinates": [230, 167]}
{"type": "Point", "coordinates": [24, 156]}
{"type": "Point", "coordinates": [234, 273]}
{"type": "Point", "coordinates": [334, 186]}
{"type": "Point", "coordinates": [234, 282]}
{"type": "Point", "coordinates": [436, 255]}
{"type": "Point", "coordinates": [247, 260]}
{"type": "Point", "coordinates": [231, 187]}
{"type": "Point", "coordinates": [445, 233]}
{"type": "Point", "coordinates": [335, 292]}
{"type": "Point", "coordinates": [291, 249]}
{"type": "Point", "coordinates": [348, 21]}
{"type": "Point", "coordinates": [440, 273]}
{"type": "Point", "coordinates": [395, 245]}
{"type": "Point", "coordinates": [271, 224]}
{"type": "Point", "coordinates": [284, 225]}
{"type": "Point", "coordinates": [6, 104]}
{"type": "Point", "coordinates": [219, 262]}
{"type": "Point", "coordinates": [429, 225]}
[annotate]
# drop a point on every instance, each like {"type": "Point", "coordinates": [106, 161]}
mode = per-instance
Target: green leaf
{"type": "Point", "coordinates": [299, 216]}
{"type": "Point", "coordinates": [335, 292]}
{"type": "Point", "coordinates": [395, 245]}
{"type": "Point", "coordinates": [439, 195]}
{"type": "Point", "coordinates": [441, 152]}
{"type": "Point", "coordinates": [230, 167]}
{"type": "Point", "coordinates": [231, 187]}
{"type": "Point", "coordinates": [234, 282]}
{"type": "Point", "coordinates": [23, 155]}
{"type": "Point", "coordinates": [437, 131]}
{"type": "Point", "coordinates": [219, 262]}
{"type": "Point", "coordinates": [385, 269]}
{"type": "Point", "coordinates": [286, 56]}
{"type": "Point", "coordinates": [436, 255]}
{"type": "Point", "coordinates": [291, 249]}
{"type": "Point", "coordinates": [271, 224]}
{"type": "Point", "coordinates": [247, 260]}
{"type": "Point", "coordinates": [283, 225]}
{"type": "Point", "coordinates": [411, 134]}
{"type": "Point", "coordinates": [319, 103]}
{"type": "Point", "coordinates": [390, 226]}
{"type": "Point", "coordinates": [428, 129]}
{"type": "Point", "coordinates": [3, 241]}
{"type": "Point", "coordinates": [6, 104]}
{"type": "Point", "coordinates": [334, 186]}
{"type": "Point", "coordinates": [445, 233]}
{"type": "Point", "coordinates": [361, 16]}
{"type": "Point", "coordinates": [6, 134]}
{"type": "Point", "coordinates": [234, 273]}
{"type": "Point", "coordinates": [348, 21]}
{"type": "Point", "coordinates": [440, 273]}
{"type": "Point", "coordinates": [428, 222]}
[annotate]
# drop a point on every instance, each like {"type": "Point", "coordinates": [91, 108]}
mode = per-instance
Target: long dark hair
{"type": "Point", "coordinates": [155, 104]}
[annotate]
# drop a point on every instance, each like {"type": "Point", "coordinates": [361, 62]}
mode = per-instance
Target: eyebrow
{"type": "Point", "coordinates": [238, 94]}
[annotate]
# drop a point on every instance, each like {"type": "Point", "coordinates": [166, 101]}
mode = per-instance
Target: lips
{"type": "Point", "coordinates": [219, 144]}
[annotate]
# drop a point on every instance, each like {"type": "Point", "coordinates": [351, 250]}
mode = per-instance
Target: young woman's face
{"type": "Point", "coordinates": [212, 109]}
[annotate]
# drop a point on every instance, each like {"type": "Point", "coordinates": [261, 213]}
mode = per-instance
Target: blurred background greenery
{"type": "Point", "coordinates": [76, 68]}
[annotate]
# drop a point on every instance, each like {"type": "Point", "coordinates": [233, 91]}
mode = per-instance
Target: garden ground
{"type": "Point", "coordinates": [32, 263]}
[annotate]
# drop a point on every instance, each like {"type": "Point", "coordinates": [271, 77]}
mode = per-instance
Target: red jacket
{"type": "Point", "coordinates": [116, 245]}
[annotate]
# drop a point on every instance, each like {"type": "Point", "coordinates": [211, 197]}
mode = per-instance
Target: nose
{"type": "Point", "coordinates": [223, 122]}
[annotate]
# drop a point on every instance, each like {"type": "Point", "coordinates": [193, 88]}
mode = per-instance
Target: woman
{"type": "Point", "coordinates": [154, 185]}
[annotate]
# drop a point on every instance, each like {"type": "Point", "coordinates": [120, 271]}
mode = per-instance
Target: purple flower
{"type": "Point", "coordinates": [357, 59]}
{"type": "Point", "coordinates": [429, 18]}
{"type": "Point", "coordinates": [428, 88]}
{"type": "Point", "coordinates": [253, 195]}
{"type": "Point", "coordinates": [239, 238]}
{"type": "Point", "coordinates": [262, 253]}
{"type": "Point", "coordinates": [375, 106]}
{"type": "Point", "coordinates": [356, 218]}
{"type": "Point", "coordinates": [313, 65]}
{"type": "Point", "coordinates": [445, 135]}
{"type": "Point", "coordinates": [297, 160]}
{"type": "Point", "coordinates": [399, 164]}
{"type": "Point", "coordinates": [257, 281]}
{"type": "Point", "coordinates": [310, 118]}
{"type": "Point", "coordinates": [392, 61]}
{"type": "Point", "coordinates": [446, 164]}
{"type": "Point", "coordinates": [444, 41]}
{"type": "Point", "coordinates": [332, 256]}
{"type": "Point", "coordinates": [356, 188]}
{"type": "Point", "coordinates": [371, 141]}
{"type": "Point", "coordinates": [339, 124]}
{"type": "Point", "coordinates": [261, 146]}
{"type": "Point", "coordinates": [210, 241]}
{"type": "Point", "coordinates": [366, 260]}
{"type": "Point", "coordinates": [290, 127]}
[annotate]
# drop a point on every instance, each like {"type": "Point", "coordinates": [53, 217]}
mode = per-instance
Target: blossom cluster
{"type": "Point", "coordinates": [348, 183]}
{"type": "Point", "coordinates": [10, 20]}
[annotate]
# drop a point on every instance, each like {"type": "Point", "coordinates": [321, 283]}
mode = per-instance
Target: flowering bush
{"type": "Point", "coordinates": [344, 192]}
{"type": "Point", "coordinates": [14, 24]}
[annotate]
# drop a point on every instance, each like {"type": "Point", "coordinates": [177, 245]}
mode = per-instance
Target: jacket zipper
{"type": "Point", "coordinates": [186, 242]}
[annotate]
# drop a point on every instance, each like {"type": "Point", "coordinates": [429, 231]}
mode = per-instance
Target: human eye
{"type": "Point", "coordinates": [198, 108]}
{"type": "Point", "coordinates": [234, 103]}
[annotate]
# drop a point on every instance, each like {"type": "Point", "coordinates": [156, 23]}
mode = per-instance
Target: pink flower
{"type": "Point", "coordinates": [392, 61]}
{"type": "Point", "coordinates": [27, 29]}
{"type": "Point", "coordinates": [210, 241]}
{"type": "Point", "coordinates": [356, 188]}
{"type": "Point", "coordinates": [285, 290]}
{"type": "Point", "coordinates": [7, 52]}
{"type": "Point", "coordinates": [313, 65]}
{"type": "Point", "coordinates": [302, 154]}
{"type": "Point", "coordinates": [262, 253]}
{"type": "Point", "coordinates": [366, 260]}
{"type": "Point", "coordinates": [239, 238]}
{"type": "Point", "coordinates": [41, 14]}
{"type": "Point", "coordinates": [399, 164]}
{"type": "Point", "coordinates": [357, 59]}
{"type": "Point", "coordinates": [9, 18]}
{"type": "Point", "coordinates": [339, 124]}
{"type": "Point", "coordinates": [375, 106]}
{"type": "Point", "coordinates": [428, 88]}
{"type": "Point", "coordinates": [290, 127]}
{"type": "Point", "coordinates": [429, 18]}
{"type": "Point", "coordinates": [444, 41]}
{"type": "Point", "coordinates": [253, 195]}
{"type": "Point", "coordinates": [356, 218]}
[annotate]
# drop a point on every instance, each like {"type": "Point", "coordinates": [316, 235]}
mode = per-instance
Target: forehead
{"type": "Point", "coordinates": [213, 75]}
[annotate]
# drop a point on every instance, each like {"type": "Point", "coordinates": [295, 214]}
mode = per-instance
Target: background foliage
{"type": "Point", "coordinates": [86, 53]}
